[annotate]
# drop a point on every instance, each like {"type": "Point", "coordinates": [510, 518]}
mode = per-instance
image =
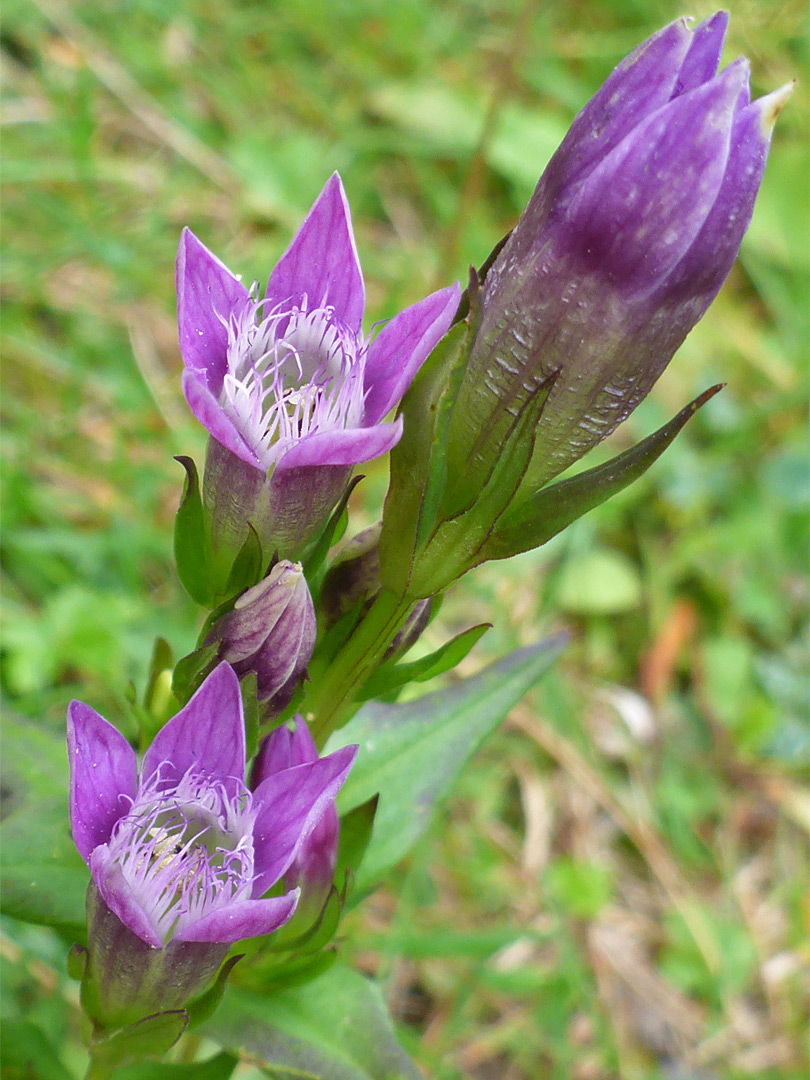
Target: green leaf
{"type": "Point", "coordinates": [411, 754]}
{"type": "Point", "coordinates": [44, 879]}
{"type": "Point", "coordinates": [390, 677]}
{"type": "Point", "coordinates": [247, 566]}
{"type": "Point", "coordinates": [354, 836]}
{"type": "Point", "coordinates": [191, 670]}
{"type": "Point", "coordinates": [333, 1028]}
{"type": "Point", "coordinates": [219, 1067]}
{"type": "Point", "coordinates": [535, 520]}
{"type": "Point", "coordinates": [191, 547]}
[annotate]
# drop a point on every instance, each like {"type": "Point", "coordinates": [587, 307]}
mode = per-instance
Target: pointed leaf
{"type": "Point", "coordinates": [190, 538]}
{"type": "Point", "coordinates": [333, 1028]}
{"type": "Point", "coordinates": [354, 836]}
{"type": "Point", "coordinates": [411, 754]}
{"type": "Point", "coordinates": [544, 514]}
{"type": "Point", "coordinates": [389, 677]}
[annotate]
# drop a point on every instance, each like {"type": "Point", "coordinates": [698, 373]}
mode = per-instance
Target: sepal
{"type": "Point", "coordinates": [191, 546]}
{"type": "Point", "coordinates": [535, 520]}
{"type": "Point", "coordinates": [150, 1037]}
{"type": "Point", "coordinates": [202, 1008]}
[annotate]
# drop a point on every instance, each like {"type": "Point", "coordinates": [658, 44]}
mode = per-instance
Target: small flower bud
{"type": "Point", "coordinates": [271, 631]}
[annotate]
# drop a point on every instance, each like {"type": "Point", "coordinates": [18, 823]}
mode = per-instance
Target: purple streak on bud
{"type": "Point", "coordinates": [629, 235]}
{"type": "Point", "coordinates": [188, 853]}
{"type": "Point", "coordinates": [314, 866]}
{"type": "Point", "coordinates": [271, 631]}
{"type": "Point", "coordinates": [288, 381]}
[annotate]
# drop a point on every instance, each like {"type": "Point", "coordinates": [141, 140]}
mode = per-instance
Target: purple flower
{"type": "Point", "coordinates": [286, 382]}
{"type": "Point", "coordinates": [182, 853]}
{"type": "Point", "coordinates": [313, 868]}
{"type": "Point", "coordinates": [630, 233]}
{"type": "Point", "coordinates": [271, 630]}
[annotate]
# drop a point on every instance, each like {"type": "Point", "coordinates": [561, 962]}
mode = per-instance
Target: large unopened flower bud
{"type": "Point", "coordinates": [630, 233]}
{"type": "Point", "coordinates": [181, 853]}
{"type": "Point", "coordinates": [271, 631]}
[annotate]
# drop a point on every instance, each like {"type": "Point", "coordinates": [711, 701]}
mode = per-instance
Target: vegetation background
{"type": "Point", "coordinates": [616, 887]}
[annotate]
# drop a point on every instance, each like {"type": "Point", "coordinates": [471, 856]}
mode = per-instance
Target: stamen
{"type": "Point", "coordinates": [187, 850]}
{"type": "Point", "coordinates": [291, 372]}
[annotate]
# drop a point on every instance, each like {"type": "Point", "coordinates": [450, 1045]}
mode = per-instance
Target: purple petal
{"type": "Point", "coordinates": [314, 867]}
{"type": "Point", "coordinates": [208, 735]}
{"type": "Point", "coordinates": [321, 263]}
{"type": "Point", "coordinates": [402, 346]}
{"type": "Point", "coordinates": [205, 407]}
{"type": "Point", "coordinates": [703, 57]}
{"type": "Point", "coordinates": [103, 777]}
{"type": "Point", "coordinates": [342, 447]}
{"type": "Point", "coordinates": [207, 292]}
{"type": "Point", "coordinates": [291, 803]}
{"type": "Point", "coordinates": [641, 84]}
{"type": "Point", "coordinates": [705, 266]}
{"type": "Point", "coordinates": [642, 207]}
{"type": "Point", "coordinates": [284, 749]}
{"type": "Point", "coordinates": [119, 897]}
{"type": "Point", "coordinates": [245, 919]}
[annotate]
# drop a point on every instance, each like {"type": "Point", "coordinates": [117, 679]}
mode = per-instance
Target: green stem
{"type": "Point", "coordinates": [339, 684]}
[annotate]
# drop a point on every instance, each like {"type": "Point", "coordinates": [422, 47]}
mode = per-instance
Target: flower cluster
{"type": "Point", "coordinates": [630, 233]}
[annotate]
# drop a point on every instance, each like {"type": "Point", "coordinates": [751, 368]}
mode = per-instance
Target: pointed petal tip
{"type": "Point", "coordinates": [772, 104]}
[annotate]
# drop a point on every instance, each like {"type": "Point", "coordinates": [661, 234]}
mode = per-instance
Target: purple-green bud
{"type": "Point", "coordinates": [270, 631]}
{"type": "Point", "coordinates": [631, 231]}
{"type": "Point", "coordinates": [629, 235]}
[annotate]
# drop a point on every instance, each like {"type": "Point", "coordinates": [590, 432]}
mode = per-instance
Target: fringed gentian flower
{"type": "Point", "coordinates": [290, 390]}
{"type": "Point", "coordinates": [182, 854]}
{"type": "Point", "coordinates": [270, 631]}
{"type": "Point", "coordinates": [313, 869]}
{"type": "Point", "coordinates": [632, 229]}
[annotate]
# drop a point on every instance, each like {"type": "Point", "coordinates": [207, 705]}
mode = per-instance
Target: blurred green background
{"type": "Point", "coordinates": [617, 887]}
